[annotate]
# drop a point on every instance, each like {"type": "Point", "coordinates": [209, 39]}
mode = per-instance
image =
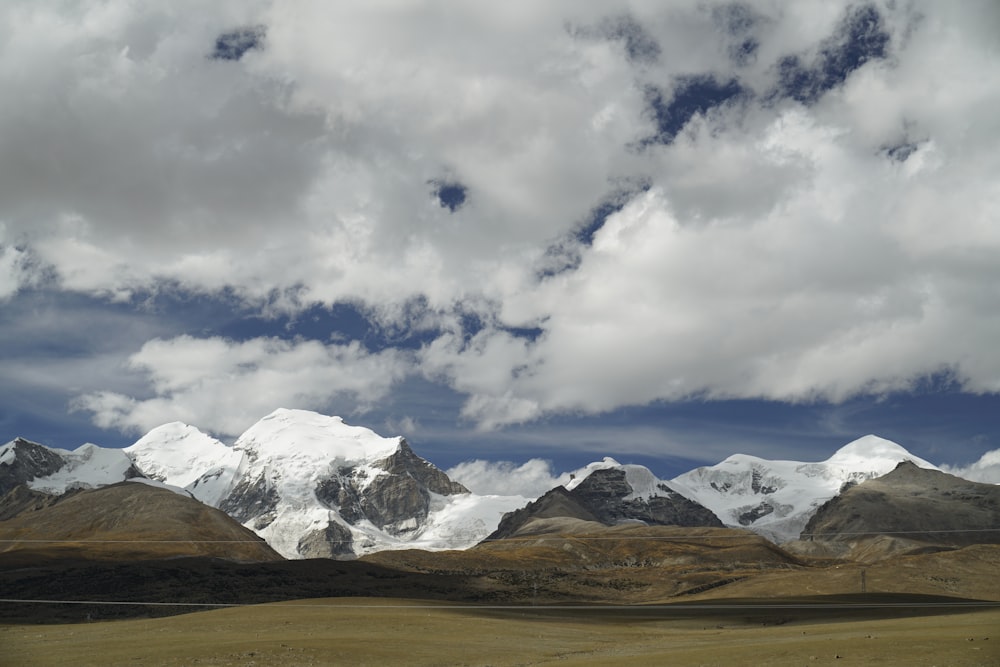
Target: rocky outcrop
{"type": "Point", "coordinates": [334, 541]}
{"type": "Point", "coordinates": [21, 461]}
{"type": "Point", "coordinates": [606, 496]}
{"type": "Point", "coordinates": [394, 494]}
{"type": "Point", "coordinates": [252, 498]}
{"type": "Point", "coordinates": [404, 462]}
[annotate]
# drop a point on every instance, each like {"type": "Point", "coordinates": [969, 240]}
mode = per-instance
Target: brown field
{"type": "Point", "coordinates": [647, 596]}
{"type": "Point", "coordinates": [363, 631]}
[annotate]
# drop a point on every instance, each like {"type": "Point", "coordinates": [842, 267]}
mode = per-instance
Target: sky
{"type": "Point", "coordinates": [523, 235]}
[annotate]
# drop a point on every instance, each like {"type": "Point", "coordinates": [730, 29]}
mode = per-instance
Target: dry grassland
{"type": "Point", "coordinates": [384, 632]}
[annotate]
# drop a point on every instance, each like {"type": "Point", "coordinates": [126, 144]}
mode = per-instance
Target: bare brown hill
{"type": "Point", "coordinates": [910, 510]}
{"type": "Point", "coordinates": [125, 521]}
{"type": "Point", "coordinates": [562, 559]}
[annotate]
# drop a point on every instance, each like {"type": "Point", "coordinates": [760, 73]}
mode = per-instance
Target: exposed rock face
{"type": "Point", "coordinates": [911, 503]}
{"type": "Point", "coordinates": [396, 500]}
{"type": "Point", "coordinates": [404, 462]}
{"type": "Point", "coordinates": [252, 498]}
{"type": "Point", "coordinates": [606, 493]}
{"type": "Point", "coordinates": [607, 497]}
{"type": "Point", "coordinates": [334, 541]}
{"type": "Point", "coordinates": [22, 461]}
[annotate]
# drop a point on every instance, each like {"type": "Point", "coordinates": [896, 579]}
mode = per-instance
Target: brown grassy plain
{"type": "Point", "coordinates": [387, 632]}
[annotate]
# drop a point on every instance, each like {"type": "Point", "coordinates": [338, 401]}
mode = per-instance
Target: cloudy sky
{"type": "Point", "coordinates": [665, 232]}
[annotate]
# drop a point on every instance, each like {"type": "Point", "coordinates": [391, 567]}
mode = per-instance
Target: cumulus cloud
{"type": "Point", "coordinates": [530, 479]}
{"type": "Point", "coordinates": [225, 386]}
{"type": "Point", "coordinates": [13, 271]}
{"type": "Point", "coordinates": [795, 261]}
{"type": "Point", "coordinates": [811, 189]}
{"type": "Point", "coordinates": [986, 469]}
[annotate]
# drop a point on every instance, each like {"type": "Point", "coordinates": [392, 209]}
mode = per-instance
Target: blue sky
{"type": "Point", "coordinates": [544, 230]}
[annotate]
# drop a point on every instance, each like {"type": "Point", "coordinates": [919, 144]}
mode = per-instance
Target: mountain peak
{"type": "Point", "coordinates": [178, 452]}
{"type": "Point", "coordinates": [303, 434]}
{"type": "Point", "coordinates": [871, 449]}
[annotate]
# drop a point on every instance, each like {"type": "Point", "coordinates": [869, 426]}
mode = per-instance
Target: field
{"type": "Point", "coordinates": [649, 596]}
{"type": "Point", "coordinates": [378, 632]}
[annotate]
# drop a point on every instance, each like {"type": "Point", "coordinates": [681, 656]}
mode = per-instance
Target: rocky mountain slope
{"type": "Point", "coordinates": [777, 498]}
{"type": "Point", "coordinates": [610, 493]}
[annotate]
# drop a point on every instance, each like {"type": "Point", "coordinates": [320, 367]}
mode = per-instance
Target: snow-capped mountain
{"type": "Point", "coordinates": [313, 486]}
{"type": "Point", "coordinates": [56, 471]}
{"type": "Point", "coordinates": [777, 498]}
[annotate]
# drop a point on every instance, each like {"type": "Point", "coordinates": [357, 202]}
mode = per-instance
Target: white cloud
{"type": "Point", "coordinates": [13, 275]}
{"type": "Point", "coordinates": [530, 479]}
{"type": "Point", "coordinates": [779, 252]}
{"type": "Point", "coordinates": [814, 268]}
{"type": "Point", "coordinates": [224, 386]}
{"type": "Point", "coordinates": [986, 469]}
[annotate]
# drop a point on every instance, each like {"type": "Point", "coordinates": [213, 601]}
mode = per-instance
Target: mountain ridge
{"type": "Point", "coordinates": [314, 486]}
{"type": "Point", "coordinates": [776, 498]}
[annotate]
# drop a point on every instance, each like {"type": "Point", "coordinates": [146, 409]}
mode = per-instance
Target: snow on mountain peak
{"type": "Point", "coordinates": [180, 453]}
{"type": "Point", "coordinates": [872, 450]}
{"type": "Point", "coordinates": [641, 479]}
{"type": "Point", "coordinates": [305, 435]}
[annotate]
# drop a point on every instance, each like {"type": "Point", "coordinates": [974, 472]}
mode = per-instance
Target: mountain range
{"type": "Point", "coordinates": [312, 486]}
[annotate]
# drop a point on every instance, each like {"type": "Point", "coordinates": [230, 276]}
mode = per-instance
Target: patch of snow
{"type": "Point", "coordinates": [290, 525]}
{"type": "Point", "coordinates": [644, 483]}
{"type": "Point", "coordinates": [86, 467]}
{"type": "Point", "coordinates": [7, 454]}
{"type": "Point", "coordinates": [464, 520]}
